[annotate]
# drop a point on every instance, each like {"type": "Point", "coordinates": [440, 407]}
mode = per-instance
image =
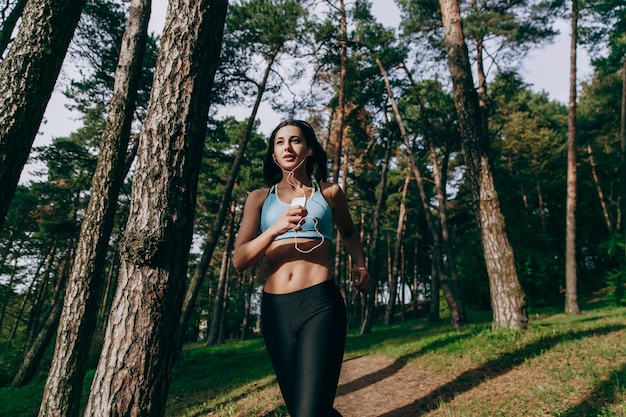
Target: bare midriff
{"type": "Point", "coordinates": [289, 270]}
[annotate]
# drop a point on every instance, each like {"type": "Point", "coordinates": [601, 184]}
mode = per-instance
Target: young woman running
{"type": "Point", "coordinates": [303, 315]}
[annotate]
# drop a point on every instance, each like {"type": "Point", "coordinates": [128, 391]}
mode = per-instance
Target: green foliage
{"type": "Point", "coordinates": [528, 147]}
{"type": "Point", "coordinates": [616, 279]}
{"type": "Point", "coordinates": [97, 43]}
{"type": "Point", "coordinates": [252, 41]}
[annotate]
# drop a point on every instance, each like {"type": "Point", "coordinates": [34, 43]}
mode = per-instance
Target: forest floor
{"type": "Point", "coordinates": [377, 386]}
{"type": "Point", "coordinates": [572, 369]}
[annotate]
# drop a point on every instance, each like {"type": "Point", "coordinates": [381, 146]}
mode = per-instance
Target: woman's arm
{"type": "Point", "coordinates": [250, 246]}
{"type": "Point", "coordinates": [350, 239]}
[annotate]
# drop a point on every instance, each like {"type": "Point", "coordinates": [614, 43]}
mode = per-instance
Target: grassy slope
{"type": "Point", "coordinates": [567, 360]}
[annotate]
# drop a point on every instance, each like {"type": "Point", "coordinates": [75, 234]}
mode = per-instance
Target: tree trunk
{"type": "Point", "coordinates": [195, 285]}
{"type": "Point", "coordinates": [601, 197]}
{"type": "Point", "coordinates": [64, 385]}
{"type": "Point", "coordinates": [571, 274]}
{"type": "Point", "coordinates": [446, 276]}
{"type": "Point", "coordinates": [38, 348]}
{"type": "Point", "coordinates": [36, 310]}
{"type": "Point", "coordinates": [32, 64]}
{"type": "Point", "coordinates": [481, 77]}
{"type": "Point", "coordinates": [508, 300]}
{"type": "Point", "coordinates": [435, 286]}
{"type": "Point", "coordinates": [340, 253]}
{"type": "Point", "coordinates": [9, 288]}
{"type": "Point", "coordinates": [621, 225]}
{"type": "Point", "coordinates": [247, 283]}
{"type": "Point", "coordinates": [21, 311]}
{"type": "Point", "coordinates": [109, 288]}
{"type": "Point", "coordinates": [133, 374]}
{"type": "Point", "coordinates": [403, 284]}
{"type": "Point", "coordinates": [395, 267]}
{"type": "Point", "coordinates": [453, 299]}
{"type": "Point", "coordinates": [542, 209]}
{"type": "Point", "coordinates": [373, 267]}
{"type": "Point", "coordinates": [219, 302]}
{"type": "Point", "coordinates": [340, 114]}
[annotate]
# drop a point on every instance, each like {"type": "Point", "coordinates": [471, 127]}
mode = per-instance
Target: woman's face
{"type": "Point", "coordinates": [290, 147]}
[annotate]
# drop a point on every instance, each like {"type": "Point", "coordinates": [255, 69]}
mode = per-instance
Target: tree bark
{"type": "Point", "coordinates": [133, 374]}
{"type": "Point", "coordinates": [64, 385]}
{"type": "Point", "coordinates": [601, 197]}
{"type": "Point", "coordinates": [395, 267]}
{"type": "Point", "coordinates": [35, 354]}
{"type": "Point", "coordinates": [340, 114]}
{"type": "Point", "coordinates": [621, 224]}
{"type": "Point", "coordinates": [32, 64]}
{"type": "Point", "coordinates": [219, 301]}
{"type": "Point", "coordinates": [8, 26]}
{"type": "Point", "coordinates": [571, 275]}
{"type": "Point", "coordinates": [508, 300]}
{"type": "Point", "coordinates": [374, 264]}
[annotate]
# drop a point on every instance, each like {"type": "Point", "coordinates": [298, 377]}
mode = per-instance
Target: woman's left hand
{"type": "Point", "coordinates": [360, 278]}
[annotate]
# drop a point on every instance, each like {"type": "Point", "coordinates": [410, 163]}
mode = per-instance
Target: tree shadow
{"type": "Point", "coordinates": [489, 370]}
{"type": "Point", "coordinates": [398, 364]}
{"type": "Point", "coordinates": [367, 380]}
{"type": "Point", "coordinates": [249, 391]}
{"type": "Point", "coordinates": [602, 396]}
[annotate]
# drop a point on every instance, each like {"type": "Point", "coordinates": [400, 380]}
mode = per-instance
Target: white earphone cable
{"type": "Point", "coordinates": [291, 181]}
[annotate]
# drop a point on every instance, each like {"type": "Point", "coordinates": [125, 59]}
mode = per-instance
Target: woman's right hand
{"type": "Point", "coordinates": [290, 220]}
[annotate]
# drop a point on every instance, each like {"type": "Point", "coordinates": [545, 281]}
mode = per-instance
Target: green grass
{"type": "Point", "coordinates": [566, 366]}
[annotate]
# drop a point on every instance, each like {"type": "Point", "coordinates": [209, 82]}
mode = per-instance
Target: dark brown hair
{"type": "Point", "coordinates": [315, 164]}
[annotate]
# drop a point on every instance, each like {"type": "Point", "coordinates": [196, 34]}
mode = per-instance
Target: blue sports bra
{"type": "Point", "coordinates": [316, 207]}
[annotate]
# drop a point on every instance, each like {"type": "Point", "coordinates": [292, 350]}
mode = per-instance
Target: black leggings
{"type": "Point", "coordinates": [305, 336]}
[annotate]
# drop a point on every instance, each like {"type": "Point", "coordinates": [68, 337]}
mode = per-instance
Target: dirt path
{"type": "Point", "coordinates": [375, 386]}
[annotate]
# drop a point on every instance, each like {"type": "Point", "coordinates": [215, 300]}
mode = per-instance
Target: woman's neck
{"type": "Point", "coordinates": [296, 180]}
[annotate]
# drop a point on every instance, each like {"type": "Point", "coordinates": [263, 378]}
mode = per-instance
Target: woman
{"type": "Point", "coordinates": [303, 315]}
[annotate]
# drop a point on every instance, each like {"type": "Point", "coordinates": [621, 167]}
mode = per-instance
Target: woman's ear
{"type": "Point", "coordinates": [310, 153]}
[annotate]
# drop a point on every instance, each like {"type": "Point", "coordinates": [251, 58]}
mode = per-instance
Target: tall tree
{"type": "Point", "coordinates": [63, 388]}
{"type": "Point", "coordinates": [69, 166]}
{"type": "Point", "coordinates": [508, 300]}
{"type": "Point", "coordinates": [340, 112]}
{"type": "Point", "coordinates": [37, 349]}
{"type": "Point", "coordinates": [395, 267]}
{"type": "Point", "coordinates": [221, 293]}
{"type": "Point", "coordinates": [601, 27]}
{"type": "Point", "coordinates": [28, 74]}
{"type": "Point", "coordinates": [450, 289]}
{"type": "Point", "coordinates": [374, 263]}
{"type": "Point", "coordinates": [133, 374]}
{"type": "Point", "coordinates": [249, 26]}
{"type": "Point", "coordinates": [571, 274]}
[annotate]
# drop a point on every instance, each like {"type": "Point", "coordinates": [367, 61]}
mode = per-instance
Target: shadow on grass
{"type": "Point", "coordinates": [491, 369]}
{"type": "Point", "coordinates": [251, 390]}
{"type": "Point", "coordinates": [603, 396]}
{"type": "Point", "coordinates": [384, 373]}
{"type": "Point", "coordinates": [397, 365]}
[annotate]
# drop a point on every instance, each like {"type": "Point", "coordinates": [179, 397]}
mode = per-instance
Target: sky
{"type": "Point", "coordinates": [545, 69]}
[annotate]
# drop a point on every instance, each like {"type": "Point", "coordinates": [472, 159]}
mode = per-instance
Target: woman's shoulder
{"type": "Point", "coordinates": [257, 196]}
{"type": "Point", "coordinates": [331, 191]}
{"type": "Point", "coordinates": [329, 187]}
